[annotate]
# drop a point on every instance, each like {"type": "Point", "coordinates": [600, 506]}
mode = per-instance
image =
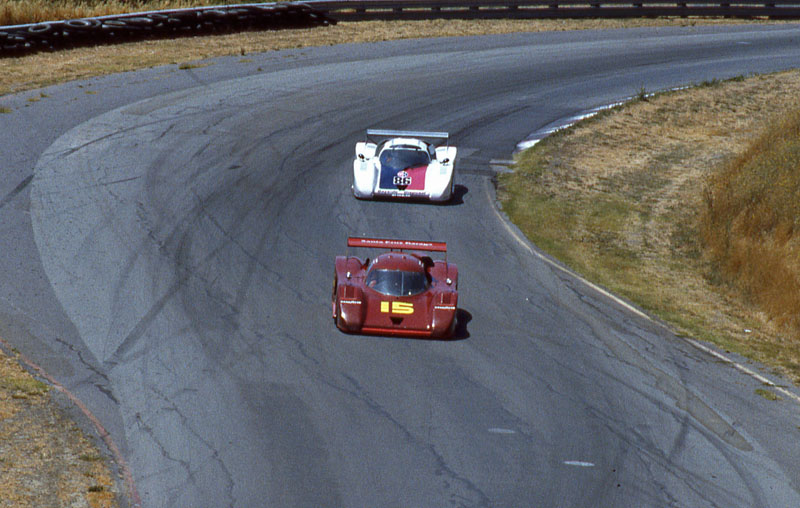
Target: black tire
{"type": "Point", "coordinates": [40, 28]}
{"type": "Point", "coordinates": [82, 24]}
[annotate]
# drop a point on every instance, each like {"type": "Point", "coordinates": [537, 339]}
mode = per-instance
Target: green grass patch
{"type": "Point", "coordinates": [188, 66]}
{"type": "Point", "coordinates": [26, 386]}
{"type": "Point", "coordinates": [768, 394]}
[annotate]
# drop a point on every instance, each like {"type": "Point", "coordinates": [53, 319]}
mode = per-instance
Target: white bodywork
{"type": "Point", "coordinates": [372, 179]}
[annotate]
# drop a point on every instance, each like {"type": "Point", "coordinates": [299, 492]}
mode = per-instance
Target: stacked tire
{"type": "Point", "coordinates": [25, 39]}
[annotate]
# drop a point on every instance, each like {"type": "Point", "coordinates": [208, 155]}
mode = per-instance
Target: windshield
{"type": "Point", "coordinates": [404, 157]}
{"type": "Point", "coordinates": [397, 282]}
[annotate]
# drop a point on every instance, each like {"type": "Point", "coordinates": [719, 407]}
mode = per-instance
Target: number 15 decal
{"type": "Point", "coordinates": [397, 307]}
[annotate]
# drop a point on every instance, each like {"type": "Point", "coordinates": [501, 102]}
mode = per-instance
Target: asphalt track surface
{"type": "Point", "coordinates": [168, 239]}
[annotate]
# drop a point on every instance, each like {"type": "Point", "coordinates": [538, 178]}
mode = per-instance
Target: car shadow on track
{"type": "Point", "coordinates": [459, 191]}
{"type": "Point", "coordinates": [462, 318]}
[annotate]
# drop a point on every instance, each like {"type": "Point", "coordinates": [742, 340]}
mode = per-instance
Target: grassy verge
{"type": "Point", "coordinates": [45, 459]}
{"type": "Point", "coordinates": [623, 198]}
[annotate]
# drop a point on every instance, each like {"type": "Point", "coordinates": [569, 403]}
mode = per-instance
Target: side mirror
{"type": "Point", "coordinates": [445, 154]}
{"type": "Point", "coordinates": [365, 150]}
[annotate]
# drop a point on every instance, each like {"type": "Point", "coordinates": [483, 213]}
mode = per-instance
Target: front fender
{"type": "Point", "coordinates": [443, 322]}
{"type": "Point", "coordinates": [364, 176]}
{"type": "Point", "coordinates": [352, 308]}
{"type": "Point", "coordinates": [439, 180]}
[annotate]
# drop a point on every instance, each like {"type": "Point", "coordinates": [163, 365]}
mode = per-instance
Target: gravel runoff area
{"type": "Point", "coordinates": [46, 458]}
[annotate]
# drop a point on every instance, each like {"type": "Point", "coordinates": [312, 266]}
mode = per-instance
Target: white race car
{"type": "Point", "coordinates": [403, 164]}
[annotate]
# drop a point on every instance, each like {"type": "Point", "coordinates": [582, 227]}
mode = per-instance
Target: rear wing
{"type": "Point", "coordinates": [382, 243]}
{"type": "Point", "coordinates": [384, 133]}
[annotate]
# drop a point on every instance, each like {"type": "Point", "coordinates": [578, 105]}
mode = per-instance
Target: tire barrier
{"type": "Point", "coordinates": [358, 10]}
{"type": "Point", "coordinates": [25, 39]}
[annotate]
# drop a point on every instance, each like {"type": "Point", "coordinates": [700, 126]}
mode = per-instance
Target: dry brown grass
{"type": "Point", "coordinates": [751, 222]}
{"type": "Point", "coordinates": [45, 459]}
{"type": "Point", "coordinates": [19, 12]}
{"type": "Point", "coordinates": [626, 189]}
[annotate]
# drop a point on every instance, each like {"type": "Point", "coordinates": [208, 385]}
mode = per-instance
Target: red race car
{"type": "Point", "coordinates": [398, 293]}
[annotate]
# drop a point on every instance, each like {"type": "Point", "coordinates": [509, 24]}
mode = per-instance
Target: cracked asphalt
{"type": "Point", "coordinates": [169, 242]}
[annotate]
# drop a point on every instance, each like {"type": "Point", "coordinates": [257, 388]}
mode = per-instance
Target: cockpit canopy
{"type": "Point", "coordinates": [403, 157]}
{"type": "Point", "coordinates": [397, 282]}
{"type": "Point", "coordinates": [398, 274]}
